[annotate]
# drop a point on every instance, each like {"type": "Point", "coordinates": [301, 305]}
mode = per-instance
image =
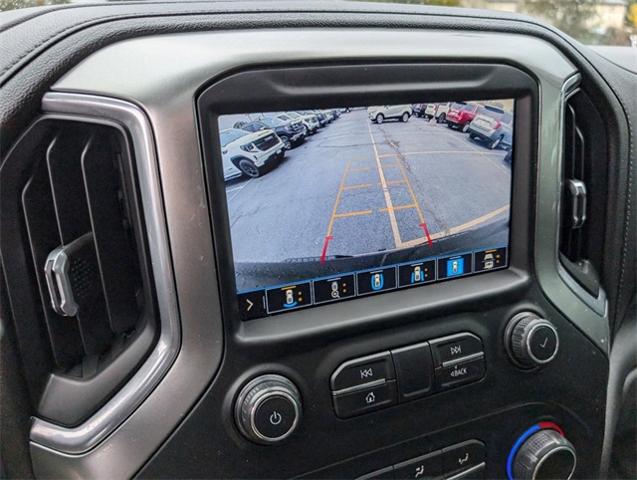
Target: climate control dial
{"type": "Point", "coordinates": [545, 454]}
{"type": "Point", "coordinates": [268, 409]}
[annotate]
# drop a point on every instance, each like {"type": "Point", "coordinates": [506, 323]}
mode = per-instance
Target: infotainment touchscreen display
{"type": "Point", "coordinates": [326, 205]}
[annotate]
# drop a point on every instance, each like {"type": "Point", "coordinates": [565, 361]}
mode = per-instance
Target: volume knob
{"type": "Point", "coordinates": [531, 341]}
{"type": "Point", "coordinates": [268, 409]}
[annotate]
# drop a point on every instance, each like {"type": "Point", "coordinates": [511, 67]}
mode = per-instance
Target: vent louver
{"type": "Point", "coordinates": [582, 204]}
{"type": "Point", "coordinates": [74, 260]}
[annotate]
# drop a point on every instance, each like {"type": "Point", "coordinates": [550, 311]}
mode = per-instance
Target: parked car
{"type": "Point", "coordinates": [493, 126]}
{"type": "Point", "coordinates": [381, 113]}
{"type": "Point", "coordinates": [291, 134]}
{"type": "Point", "coordinates": [308, 126]}
{"type": "Point", "coordinates": [437, 111]}
{"type": "Point", "coordinates": [430, 111]}
{"type": "Point", "coordinates": [321, 117]}
{"type": "Point", "coordinates": [310, 121]}
{"type": "Point", "coordinates": [461, 114]}
{"type": "Point", "coordinates": [245, 152]}
{"type": "Point", "coordinates": [442, 109]}
{"type": "Point", "coordinates": [330, 114]}
{"type": "Point", "coordinates": [419, 109]}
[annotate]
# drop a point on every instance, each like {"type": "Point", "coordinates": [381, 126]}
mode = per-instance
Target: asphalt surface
{"type": "Point", "coordinates": [356, 187]}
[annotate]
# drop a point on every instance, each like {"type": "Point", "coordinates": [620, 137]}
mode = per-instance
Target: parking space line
{"type": "Point", "coordinates": [398, 207]}
{"type": "Point", "coordinates": [357, 186]}
{"type": "Point", "coordinates": [388, 201]}
{"type": "Point", "coordinates": [330, 226]}
{"type": "Point", "coordinates": [460, 228]}
{"type": "Point", "coordinates": [414, 199]}
{"type": "Point", "coordinates": [436, 152]}
{"type": "Point", "coordinates": [353, 214]}
{"type": "Point", "coordinates": [360, 169]}
{"type": "Point", "coordinates": [478, 220]}
{"type": "Point", "coordinates": [237, 190]}
{"type": "Point", "coordinates": [338, 198]}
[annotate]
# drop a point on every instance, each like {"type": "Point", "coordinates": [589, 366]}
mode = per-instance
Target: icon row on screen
{"type": "Point", "coordinates": [260, 303]}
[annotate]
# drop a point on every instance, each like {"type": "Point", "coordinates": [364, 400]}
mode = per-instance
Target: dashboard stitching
{"type": "Point", "coordinates": [627, 215]}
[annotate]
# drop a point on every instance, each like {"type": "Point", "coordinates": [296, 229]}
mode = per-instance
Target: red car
{"type": "Point", "coordinates": [461, 114]}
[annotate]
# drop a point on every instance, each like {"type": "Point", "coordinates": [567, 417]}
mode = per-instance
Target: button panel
{"type": "Point", "coordinates": [466, 460]}
{"type": "Point", "coordinates": [403, 374]}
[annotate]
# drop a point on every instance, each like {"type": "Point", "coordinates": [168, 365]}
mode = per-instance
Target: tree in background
{"type": "Point", "coordinates": [14, 4]}
{"type": "Point", "coordinates": [631, 14]}
{"type": "Point", "coordinates": [574, 17]}
{"type": "Point", "coordinates": [631, 21]}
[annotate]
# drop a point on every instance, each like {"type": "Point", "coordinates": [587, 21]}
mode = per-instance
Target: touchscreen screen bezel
{"type": "Point", "coordinates": [247, 98]}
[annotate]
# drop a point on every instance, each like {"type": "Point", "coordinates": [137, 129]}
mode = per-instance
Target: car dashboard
{"type": "Point", "coordinates": [368, 286]}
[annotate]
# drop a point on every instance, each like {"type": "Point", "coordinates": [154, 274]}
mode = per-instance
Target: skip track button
{"type": "Point", "coordinates": [456, 348]}
{"type": "Point", "coordinates": [362, 371]}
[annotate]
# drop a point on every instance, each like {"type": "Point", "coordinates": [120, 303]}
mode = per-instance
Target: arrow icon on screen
{"type": "Point", "coordinates": [250, 304]}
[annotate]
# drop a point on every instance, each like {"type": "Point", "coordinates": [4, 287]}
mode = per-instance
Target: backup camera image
{"type": "Point", "coordinates": [330, 204]}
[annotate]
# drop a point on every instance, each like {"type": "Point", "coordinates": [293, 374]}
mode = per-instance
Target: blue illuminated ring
{"type": "Point", "coordinates": [516, 446]}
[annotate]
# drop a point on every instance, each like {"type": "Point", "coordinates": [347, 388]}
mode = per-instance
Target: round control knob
{"type": "Point", "coordinates": [531, 341]}
{"type": "Point", "coordinates": [545, 455]}
{"type": "Point", "coordinates": [268, 409]}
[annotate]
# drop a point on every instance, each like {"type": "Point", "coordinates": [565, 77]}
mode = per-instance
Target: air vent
{"type": "Point", "coordinates": [583, 204]}
{"type": "Point", "coordinates": [75, 268]}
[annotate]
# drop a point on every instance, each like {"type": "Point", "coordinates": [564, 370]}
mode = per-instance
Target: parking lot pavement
{"type": "Point", "coordinates": [356, 187]}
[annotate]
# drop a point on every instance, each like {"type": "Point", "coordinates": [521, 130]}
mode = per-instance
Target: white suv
{"type": "Point", "coordinates": [381, 113]}
{"type": "Point", "coordinates": [438, 111]}
{"type": "Point", "coordinates": [246, 152]}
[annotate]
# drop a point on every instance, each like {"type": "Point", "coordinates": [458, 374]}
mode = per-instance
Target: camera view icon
{"type": "Point", "coordinates": [289, 299]}
{"type": "Point", "coordinates": [335, 293]}
{"type": "Point", "coordinates": [455, 266]}
{"type": "Point", "coordinates": [488, 262]}
{"type": "Point", "coordinates": [417, 275]}
{"type": "Point", "coordinates": [490, 259]}
{"type": "Point", "coordinates": [377, 280]}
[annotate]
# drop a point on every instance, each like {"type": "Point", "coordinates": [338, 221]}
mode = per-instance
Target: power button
{"type": "Point", "coordinates": [274, 417]}
{"type": "Point", "coordinates": [268, 409]}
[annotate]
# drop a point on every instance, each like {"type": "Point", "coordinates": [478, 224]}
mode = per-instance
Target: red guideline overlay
{"type": "Point", "coordinates": [325, 244]}
{"type": "Point", "coordinates": [423, 225]}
